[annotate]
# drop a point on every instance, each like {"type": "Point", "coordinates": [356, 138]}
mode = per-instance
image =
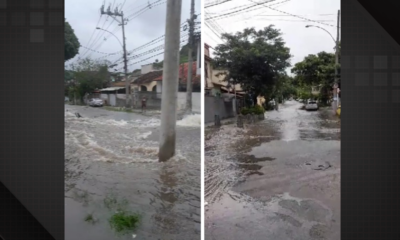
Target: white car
{"type": "Point", "coordinates": [311, 105]}
{"type": "Point", "coordinates": [96, 102]}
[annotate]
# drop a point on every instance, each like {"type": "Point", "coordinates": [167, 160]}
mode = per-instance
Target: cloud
{"type": "Point", "coordinates": [301, 41]}
{"type": "Point", "coordinates": [150, 24]}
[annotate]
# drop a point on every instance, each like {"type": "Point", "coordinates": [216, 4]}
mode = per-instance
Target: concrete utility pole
{"type": "Point", "coordinates": [335, 93]}
{"type": "Point", "coordinates": [170, 81]}
{"type": "Point", "coordinates": [122, 23]}
{"type": "Point", "coordinates": [190, 60]}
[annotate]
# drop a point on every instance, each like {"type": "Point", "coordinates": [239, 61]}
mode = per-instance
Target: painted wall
{"type": "Point", "coordinates": [159, 86]}
{"type": "Point", "coordinates": [196, 101]}
{"type": "Point", "coordinates": [216, 105]}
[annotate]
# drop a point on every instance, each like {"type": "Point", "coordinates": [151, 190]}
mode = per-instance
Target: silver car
{"type": "Point", "coordinates": [96, 102]}
{"type": "Point", "coordinates": [311, 105]}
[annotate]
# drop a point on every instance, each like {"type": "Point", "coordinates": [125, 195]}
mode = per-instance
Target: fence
{"type": "Point", "coordinates": [217, 106]}
{"type": "Point", "coordinates": [153, 100]}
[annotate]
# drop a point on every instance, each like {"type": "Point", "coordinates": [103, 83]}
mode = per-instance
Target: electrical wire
{"type": "Point", "coordinates": [101, 34]}
{"type": "Point", "coordinates": [240, 10]}
{"type": "Point", "coordinates": [216, 3]}
{"type": "Point", "coordinates": [293, 15]}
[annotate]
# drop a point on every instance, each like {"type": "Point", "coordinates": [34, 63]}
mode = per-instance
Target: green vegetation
{"type": "Point", "coordinates": [257, 110]}
{"type": "Point", "coordinates": [316, 70]}
{"type": "Point", "coordinates": [88, 75]}
{"type": "Point", "coordinates": [255, 59]}
{"type": "Point", "coordinates": [123, 222]}
{"type": "Point", "coordinates": [71, 42]}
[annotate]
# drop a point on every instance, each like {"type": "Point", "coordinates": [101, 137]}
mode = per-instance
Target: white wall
{"type": "Point", "coordinates": [104, 96]}
{"type": "Point", "coordinates": [196, 99]}
{"type": "Point", "coordinates": [159, 86]}
{"type": "Point", "coordinates": [147, 68]}
{"type": "Point", "coordinates": [198, 71]}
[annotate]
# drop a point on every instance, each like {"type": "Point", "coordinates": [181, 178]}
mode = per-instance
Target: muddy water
{"type": "Point", "coordinates": [112, 157]}
{"type": "Point", "coordinates": [276, 179]}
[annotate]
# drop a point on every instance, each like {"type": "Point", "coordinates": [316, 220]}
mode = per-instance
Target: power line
{"type": "Point", "coordinates": [100, 34]}
{"type": "Point", "coordinates": [148, 7]}
{"type": "Point", "coordinates": [216, 34]}
{"type": "Point", "coordinates": [94, 30]}
{"type": "Point", "coordinates": [158, 48]}
{"type": "Point", "coordinates": [310, 20]}
{"type": "Point", "coordinates": [240, 10]}
{"type": "Point", "coordinates": [145, 58]}
{"type": "Point", "coordinates": [116, 29]}
{"type": "Point", "coordinates": [216, 3]}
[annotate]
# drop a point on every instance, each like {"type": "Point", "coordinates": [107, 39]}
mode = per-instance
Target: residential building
{"type": "Point", "coordinates": [151, 81]}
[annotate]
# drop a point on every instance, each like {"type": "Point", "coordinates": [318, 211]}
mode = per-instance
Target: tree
{"type": "Point", "coordinates": [254, 59]}
{"type": "Point", "coordinates": [316, 70]}
{"type": "Point", "coordinates": [71, 42]}
{"type": "Point", "coordinates": [89, 75]}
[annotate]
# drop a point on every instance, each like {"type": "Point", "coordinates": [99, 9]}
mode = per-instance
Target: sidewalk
{"type": "Point", "coordinates": [223, 122]}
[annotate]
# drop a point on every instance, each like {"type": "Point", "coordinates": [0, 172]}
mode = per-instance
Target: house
{"type": "Point", "coordinates": [215, 80]}
{"type": "Point", "coordinates": [215, 83]}
{"type": "Point", "coordinates": [183, 76]}
{"type": "Point", "coordinates": [315, 90]}
{"type": "Point", "coordinates": [144, 80]}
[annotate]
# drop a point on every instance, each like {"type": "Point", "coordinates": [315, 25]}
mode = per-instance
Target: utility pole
{"type": "Point", "coordinates": [170, 81]}
{"type": "Point", "coordinates": [335, 92]}
{"type": "Point", "coordinates": [122, 23]}
{"type": "Point", "coordinates": [337, 58]}
{"type": "Point", "coordinates": [190, 60]}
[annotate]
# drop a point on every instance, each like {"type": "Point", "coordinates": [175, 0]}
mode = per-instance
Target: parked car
{"type": "Point", "coordinates": [96, 102]}
{"type": "Point", "coordinates": [311, 105]}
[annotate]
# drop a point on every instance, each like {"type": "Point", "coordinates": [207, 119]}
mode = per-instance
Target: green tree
{"type": "Point", "coordinates": [89, 75]}
{"type": "Point", "coordinates": [316, 70]}
{"type": "Point", "coordinates": [254, 59]}
{"type": "Point", "coordinates": [71, 42]}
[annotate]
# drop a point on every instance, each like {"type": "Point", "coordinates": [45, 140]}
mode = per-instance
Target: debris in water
{"type": "Point", "coordinates": [78, 115]}
{"type": "Point", "coordinates": [133, 235]}
{"type": "Point", "coordinates": [323, 167]}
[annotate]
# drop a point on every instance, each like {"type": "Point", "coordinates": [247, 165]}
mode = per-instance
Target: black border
{"type": "Point", "coordinates": [32, 121]}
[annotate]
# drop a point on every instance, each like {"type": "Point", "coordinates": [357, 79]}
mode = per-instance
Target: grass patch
{"type": "Point", "coordinates": [122, 222]}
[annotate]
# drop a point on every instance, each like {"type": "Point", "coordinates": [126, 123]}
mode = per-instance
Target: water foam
{"type": "Point", "coordinates": [193, 120]}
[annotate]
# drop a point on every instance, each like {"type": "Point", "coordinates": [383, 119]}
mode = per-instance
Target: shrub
{"type": "Point", "coordinates": [244, 111]}
{"type": "Point", "coordinates": [257, 110]}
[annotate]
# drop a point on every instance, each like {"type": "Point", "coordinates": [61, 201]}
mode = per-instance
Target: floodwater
{"type": "Point", "coordinates": [111, 164]}
{"type": "Point", "coordinates": [276, 179]}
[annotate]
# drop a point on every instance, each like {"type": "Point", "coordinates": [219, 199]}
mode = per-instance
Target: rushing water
{"type": "Point", "coordinates": [113, 155]}
{"type": "Point", "coordinates": [260, 181]}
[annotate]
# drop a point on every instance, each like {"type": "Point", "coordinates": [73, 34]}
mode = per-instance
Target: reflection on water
{"type": "Point", "coordinates": [115, 153]}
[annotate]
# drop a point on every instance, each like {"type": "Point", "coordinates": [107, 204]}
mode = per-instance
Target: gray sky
{"type": "Point", "coordinates": [301, 41]}
{"type": "Point", "coordinates": [149, 25]}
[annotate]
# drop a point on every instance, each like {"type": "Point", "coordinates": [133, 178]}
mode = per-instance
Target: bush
{"type": "Point", "coordinates": [257, 110]}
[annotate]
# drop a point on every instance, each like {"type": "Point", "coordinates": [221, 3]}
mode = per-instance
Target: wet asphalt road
{"type": "Point", "coordinates": [276, 179]}
{"type": "Point", "coordinates": [111, 157]}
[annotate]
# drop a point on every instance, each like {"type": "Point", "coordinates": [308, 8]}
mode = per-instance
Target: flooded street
{"type": "Point", "coordinates": [276, 179]}
{"type": "Point", "coordinates": [111, 164]}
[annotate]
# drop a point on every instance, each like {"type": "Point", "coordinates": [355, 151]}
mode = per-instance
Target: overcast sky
{"type": "Point", "coordinates": [301, 41]}
{"type": "Point", "coordinates": [84, 18]}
